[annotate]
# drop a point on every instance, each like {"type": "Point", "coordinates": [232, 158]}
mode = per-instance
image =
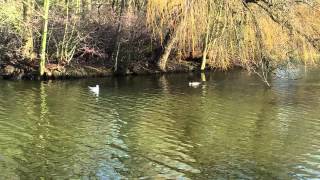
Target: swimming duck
{"type": "Point", "coordinates": [194, 84]}
{"type": "Point", "coordinates": [95, 89]}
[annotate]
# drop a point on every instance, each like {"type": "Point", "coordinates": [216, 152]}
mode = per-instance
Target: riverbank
{"type": "Point", "coordinates": [29, 71]}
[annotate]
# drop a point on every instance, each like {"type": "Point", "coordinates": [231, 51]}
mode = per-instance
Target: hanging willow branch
{"type": "Point", "coordinates": [240, 32]}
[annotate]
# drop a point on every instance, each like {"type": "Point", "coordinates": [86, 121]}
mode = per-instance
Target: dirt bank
{"type": "Point", "coordinates": [18, 71]}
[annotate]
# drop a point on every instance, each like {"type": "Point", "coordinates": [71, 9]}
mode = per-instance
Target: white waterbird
{"type": "Point", "coordinates": [95, 89]}
{"type": "Point", "coordinates": [194, 84]}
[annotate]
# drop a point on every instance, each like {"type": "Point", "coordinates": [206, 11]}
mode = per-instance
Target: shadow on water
{"type": "Point", "coordinates": [159, 127]}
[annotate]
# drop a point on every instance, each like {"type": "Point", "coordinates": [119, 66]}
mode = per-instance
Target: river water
{"type": "Point", "coordinates": [157, 127]}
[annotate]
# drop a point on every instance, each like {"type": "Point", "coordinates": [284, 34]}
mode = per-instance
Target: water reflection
{"type": "Point", "coordinates": [231, 127]}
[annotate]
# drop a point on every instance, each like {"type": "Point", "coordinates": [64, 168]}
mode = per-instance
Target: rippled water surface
{"type": "Point", "coordinates": [156, 127]}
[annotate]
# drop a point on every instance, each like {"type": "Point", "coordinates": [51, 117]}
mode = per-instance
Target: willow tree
{"type": "Point", "coordinates": [254, 34]}
{"type": "Point", "coordinates": [42, 65]}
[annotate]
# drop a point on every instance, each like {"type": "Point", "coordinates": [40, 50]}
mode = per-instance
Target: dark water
{"type": "Point", "coordinates": [156, 127]}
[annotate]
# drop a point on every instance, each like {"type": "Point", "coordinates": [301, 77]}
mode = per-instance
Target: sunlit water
{"type": "Point", "coordinates": [156, 127]}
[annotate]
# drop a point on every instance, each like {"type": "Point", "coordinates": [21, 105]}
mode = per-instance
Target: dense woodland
{"type": "Point", "coordinates": [125, 36]}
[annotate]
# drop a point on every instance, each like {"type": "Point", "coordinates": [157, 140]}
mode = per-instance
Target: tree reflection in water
{"type": "Point", "coordinates": [158, 127]}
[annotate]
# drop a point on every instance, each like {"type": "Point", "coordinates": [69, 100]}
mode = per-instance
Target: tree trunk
{"type": "Point", "coordinates": [205, 51]}
{"type": "Point", "coordinates": [168, 44]}
{"type": "Point", "coordinates": [28, 6]}
{"type": "Point", "coordinates": [204, 60]}
{"type": "Point", "coordinates": [118, 36]}
{"type": "Point", "coordinates": [44, 37]}
{"type": "Point", "coordinates": [206, 41]}
{"type": "Point", "coordinates": [171, 39]}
